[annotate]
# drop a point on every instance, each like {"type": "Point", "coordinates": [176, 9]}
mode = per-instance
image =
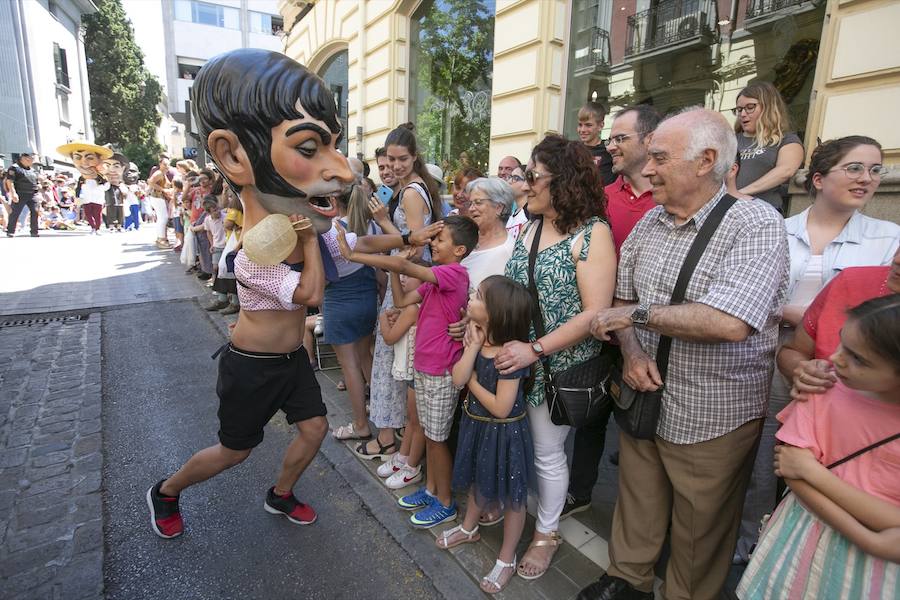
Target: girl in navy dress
{"type": "Point", "coordinates": [493, 454]}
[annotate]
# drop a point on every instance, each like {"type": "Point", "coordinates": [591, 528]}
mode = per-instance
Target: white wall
{"type": "Point", "coordinates": [193, 40]}
{"type": "Point", "coordinates": [42, 30]}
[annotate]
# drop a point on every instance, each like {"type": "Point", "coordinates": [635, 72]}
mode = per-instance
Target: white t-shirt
{"type": "Point", "coordinates": [217, 228]}
{"type": "Point", "coordinates": [91, 193]}
{"type": "Point", "coordinates": [516, 222]}
{"type": "Point", "coordinates": [481, 264]}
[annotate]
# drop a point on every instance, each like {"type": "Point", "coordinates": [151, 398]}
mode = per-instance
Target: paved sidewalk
{"type": "Point", "coordinates": [51, 543]}
{"type": "Point", "coordinates": [72, 270]}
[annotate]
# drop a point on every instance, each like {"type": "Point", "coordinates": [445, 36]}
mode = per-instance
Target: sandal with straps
{"type": "Point", "coordinates": [492, 583]}
{"type": "Point", "coordinates": [384, 451]}
{"type": "Point", "coordinates": [348, 432]}
{"type": "Point", "coordinates": [553, 540]}
{"type": "Point", "coordinates": [445, 542]}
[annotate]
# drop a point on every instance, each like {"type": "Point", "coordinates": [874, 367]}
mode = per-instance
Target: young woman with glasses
{"type": "Point", "coordinates": [825, 239]}
{"type": "Point", "coordinates": [769, 153]}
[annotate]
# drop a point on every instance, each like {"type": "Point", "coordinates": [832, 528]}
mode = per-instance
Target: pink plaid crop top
{"type": "Point", "coordinates": [264, 287]}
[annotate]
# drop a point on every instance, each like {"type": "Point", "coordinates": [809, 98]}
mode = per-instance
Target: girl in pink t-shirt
{"type": "Point", "coordinates": [837, 533]}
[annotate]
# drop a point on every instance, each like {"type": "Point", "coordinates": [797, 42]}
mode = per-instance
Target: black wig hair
{"type": "Point", "coordinates": [250, 91]}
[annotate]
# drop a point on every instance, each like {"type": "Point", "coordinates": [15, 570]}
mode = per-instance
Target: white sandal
{"type": "Point", "coordinates": [348, 432]}
{"type": "Point", "coordinates": [493, 578]}
{"type": "Point", "coordinates": [443, 540]}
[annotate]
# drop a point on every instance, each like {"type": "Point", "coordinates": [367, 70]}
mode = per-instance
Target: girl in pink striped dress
{"type": "Point", "coordinates": [836, 535]}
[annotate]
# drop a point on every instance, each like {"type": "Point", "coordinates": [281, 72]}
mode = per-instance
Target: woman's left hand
{"type": "Point", "coordinates": [420, 237]}
{"type": "Point", "coordinates": [514, 356]}
{"type": "Point", "coordinates": [792, 462]}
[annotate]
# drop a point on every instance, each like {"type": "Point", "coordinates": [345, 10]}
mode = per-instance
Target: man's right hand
{"type": "Point", "coordinates": [641, 372]}
{"type": "Point", "coordinates": [812, 377]}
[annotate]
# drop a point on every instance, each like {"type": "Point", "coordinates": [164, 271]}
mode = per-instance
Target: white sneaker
{"type": "Point", "coordinates": [407, 475]}
{"type": "Point", "coordinates": [390, 466]}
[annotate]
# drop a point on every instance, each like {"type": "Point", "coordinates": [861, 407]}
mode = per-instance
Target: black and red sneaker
{"type": "Point", "coordinates": [165, 518]}
{"type": "Point", "coordinates": [295, 511]}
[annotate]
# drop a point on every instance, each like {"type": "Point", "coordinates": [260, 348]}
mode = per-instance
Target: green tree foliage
{"type": "Point", "coordinates": [124, 95]}
{"type": "Point", "coordinates": [454, 64]}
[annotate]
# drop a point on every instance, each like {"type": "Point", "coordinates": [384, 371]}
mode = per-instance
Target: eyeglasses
{"type": "Point", "coordinates": [747, 108]}
{"type": "Point", "coordinates": [479, 202]}
{"type": "Point", "coordinates": [856, 170]}
{"type": "Point", "coordinates": [532, 176]}
{"type": "Point", "coordinates": [618, 139]}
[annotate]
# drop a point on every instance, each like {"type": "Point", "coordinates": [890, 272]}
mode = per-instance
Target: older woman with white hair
{"type": "Point", "coordinates": [490, 205]}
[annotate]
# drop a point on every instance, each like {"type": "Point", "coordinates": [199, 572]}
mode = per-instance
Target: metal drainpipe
{"type": "Point", "coordinates": [31, 126]}
{"type": "Point", "coordinates": [360, 82]}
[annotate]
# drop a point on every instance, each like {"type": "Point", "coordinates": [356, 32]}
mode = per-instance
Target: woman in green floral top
{"type": "Point", "coordinates": [575, 274]}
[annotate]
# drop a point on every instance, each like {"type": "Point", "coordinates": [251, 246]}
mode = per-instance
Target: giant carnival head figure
{"type": "Point", "coordinates": [132, 174]}
{"type": "Point", "coordinates": [272, 129]}
{"type": "Point", "coordinates": [115, 168]}
{"type": "Point", "coordinates": [87, 157]}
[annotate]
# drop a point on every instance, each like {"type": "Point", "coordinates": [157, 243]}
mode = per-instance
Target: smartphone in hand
{"type": "Point", "coordinates": [384, 193]}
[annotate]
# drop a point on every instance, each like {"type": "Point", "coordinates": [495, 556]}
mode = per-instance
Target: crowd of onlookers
{"type": "Point", "coordinates": [592, 234]}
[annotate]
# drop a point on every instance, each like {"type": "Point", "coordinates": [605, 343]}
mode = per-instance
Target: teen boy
{"type": "Point", "coordinates": [590, 125]}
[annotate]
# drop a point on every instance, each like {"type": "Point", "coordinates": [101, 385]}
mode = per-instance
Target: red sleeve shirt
{"type": "Point", "coordinates": [624, 209]}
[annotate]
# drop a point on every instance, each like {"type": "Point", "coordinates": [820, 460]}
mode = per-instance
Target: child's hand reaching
{"type": "Point", "coordinates": [792, 462]}
{"type": "Point", "coordinates": [343, 246]}
{"type": "Point", "coordinates": [474, 337]}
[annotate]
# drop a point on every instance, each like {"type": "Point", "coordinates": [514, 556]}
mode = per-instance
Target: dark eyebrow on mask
{"type": "Point", "coordinates": [326, 137]}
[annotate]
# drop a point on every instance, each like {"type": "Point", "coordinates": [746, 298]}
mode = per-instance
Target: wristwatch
{"type": "Point", "coordinates": [641, 314]}
{"type": "Point", "coordinates": [537, 348]}
{"type": "Point", "coordinates": [405, 238]}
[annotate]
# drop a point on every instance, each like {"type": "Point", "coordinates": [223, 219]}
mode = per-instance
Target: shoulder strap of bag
{"type": "Point", "coordinates": [698, 247]}
{"type": "Point", "coordinates": [868, 448]}
{"type": "Point", "coordinates": [537, 318]}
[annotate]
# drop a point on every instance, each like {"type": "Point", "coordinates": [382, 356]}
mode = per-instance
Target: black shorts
{"type": "Point", "coordinates": [253, 386]}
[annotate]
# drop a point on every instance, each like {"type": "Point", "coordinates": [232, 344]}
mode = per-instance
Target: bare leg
{"type": "Point", "coordinates": [513, 524]}
{"type": "Point", "coordinates": [207, 463]}
{"type": "Point", "coordinates": [300, 453]}
{"type": "Point", "coordinates": [473, 513]}
{"type": "Point", "coordinates": [364, 357]}
{"type": "Point", "coordinates": [356, 386]}
{"type": "Point", "coordinates": [440, 468]}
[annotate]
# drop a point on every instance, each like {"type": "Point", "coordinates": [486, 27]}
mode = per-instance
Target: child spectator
{"type": "Point", "coordinates": [214, 226]}
{"type": "Point", "coordinates": [590, 125]}
{"type": "Point", "coordinates": [398, 328]}
{"type": "Point", "coordinates": [55, 220]}
{"type": "Point", "coordinates": [203, 241]}
{"type": "Point", "coordinates": [494, 452]}
{"type": "Point", "coordinates": [837, 533]}
{"type": "Point", "coordinates": [442, 295]}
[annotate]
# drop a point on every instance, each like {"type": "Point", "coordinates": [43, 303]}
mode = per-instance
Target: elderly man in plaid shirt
{"type": "Point", "coordinates": [691, 478]}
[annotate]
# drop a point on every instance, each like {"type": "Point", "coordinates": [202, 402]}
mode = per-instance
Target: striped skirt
{"type": "Point", "coordinates": [799, 557]}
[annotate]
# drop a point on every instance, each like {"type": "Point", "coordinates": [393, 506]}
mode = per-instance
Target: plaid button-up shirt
{"type": "Point", "coordinates": [712, 388]}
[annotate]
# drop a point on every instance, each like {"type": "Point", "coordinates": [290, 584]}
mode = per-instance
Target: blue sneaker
{"type": "Point", "coordinates": [435, 514]}
{"type": "Point", "coordinates": [418, 500]}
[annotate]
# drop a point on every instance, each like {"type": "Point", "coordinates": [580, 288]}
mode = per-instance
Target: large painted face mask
{"type": "Point", "coordinates": [115, 170]}
{"type": "Point", "coordinates": [132, 174]}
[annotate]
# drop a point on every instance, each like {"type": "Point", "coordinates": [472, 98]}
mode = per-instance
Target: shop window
{"type": "Point", "coordinates": [334, 73]}
{"type": "Point", "coordinates": [451, 68]}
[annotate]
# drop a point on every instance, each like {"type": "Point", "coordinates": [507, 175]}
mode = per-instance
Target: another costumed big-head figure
{"type": "Point", "coordinates": [91, 187]}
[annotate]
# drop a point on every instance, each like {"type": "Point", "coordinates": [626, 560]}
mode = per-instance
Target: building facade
{"type": "Point", "coordinates": [836, 63]}
{"type": "Point", "coordinates": [44, 100]}
{"type": "Point", "coordinates": [193, 32]}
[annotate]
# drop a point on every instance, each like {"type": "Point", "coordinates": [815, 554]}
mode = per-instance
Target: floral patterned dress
{"type": "Point", "coordinates": [554, 277]}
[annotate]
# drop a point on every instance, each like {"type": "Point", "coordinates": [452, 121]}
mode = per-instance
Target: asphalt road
{"type": "Point", "coordinates": [159, 406]}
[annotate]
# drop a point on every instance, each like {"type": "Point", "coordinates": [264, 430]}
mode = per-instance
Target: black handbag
{"type": "Point", "coordinates": [637, 413]}
{"type": "Point", "coordinates": [577, 395]}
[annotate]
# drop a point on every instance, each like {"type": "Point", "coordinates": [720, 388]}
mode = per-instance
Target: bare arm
{"type": "Point", "coordinates": [311, 289]}
{"type": "Point", "coordinates": [696, 322]}
{"type": "Point", "coordinates": [790, 157]}
{"type": "Point", "coordinates": [414, 208]}
{"type": "Point", "coordinates": [463, 370]}
{"type": "Point", "coordinates": [498, 404]}
{"type": "Point", "coordinates": [406, 319]}
{"type": "Point", "coordinates": [882, 545]}
{"type": "Point", "coordinates": [807, 374]}
{"type": "Point", "coordinates": [799, 463]}
{"type": "Point", "coordinates": [401, 297]}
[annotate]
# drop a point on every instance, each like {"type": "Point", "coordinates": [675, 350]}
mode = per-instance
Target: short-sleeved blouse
{"type": "Point", "coordinates": [557, 287]}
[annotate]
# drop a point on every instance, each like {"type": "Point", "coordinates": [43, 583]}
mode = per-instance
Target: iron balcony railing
{"type": "Point", "coordinates": [669, 22]}
{"type": "Point", "coordinates": [762, 8]}
{"type": "Point", "coordinates": [591, 50]}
